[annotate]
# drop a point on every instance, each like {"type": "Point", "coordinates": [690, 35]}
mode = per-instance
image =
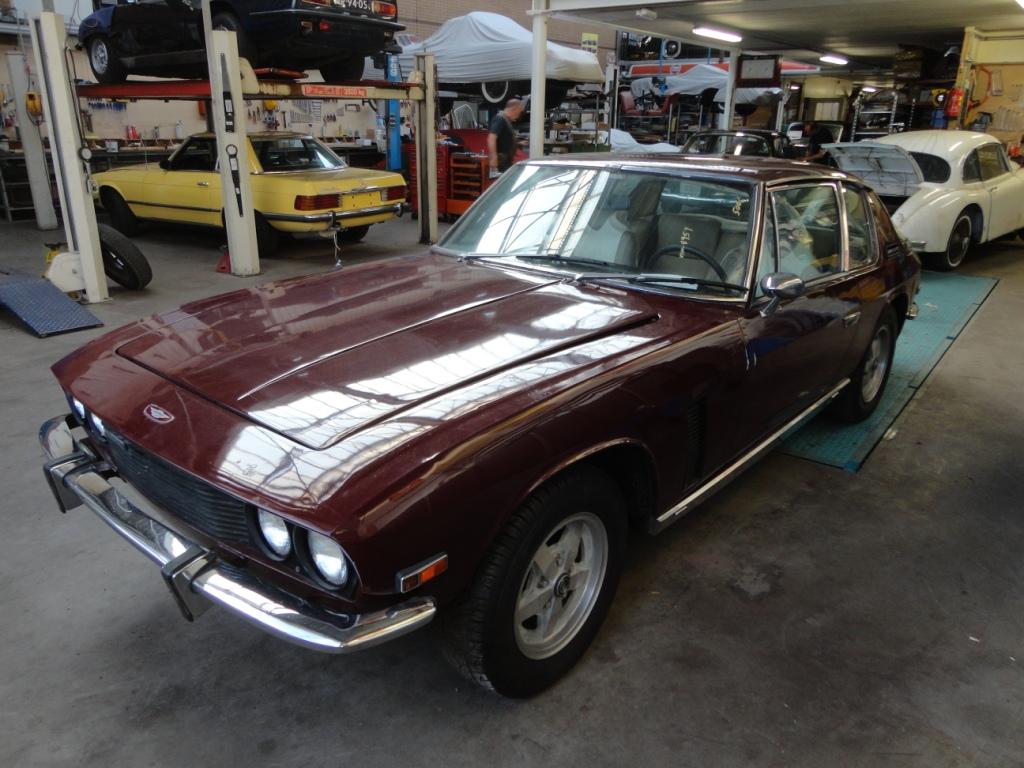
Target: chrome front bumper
{"type": "Point", "coordinates": [195, 576]}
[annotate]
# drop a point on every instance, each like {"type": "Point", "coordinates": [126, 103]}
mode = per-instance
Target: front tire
{"type": "Point", "coordinates": [956, 247]}
{"type": "Point", "coordinates": [105, 63]}
{"type": "Point", "coordinates": [861, 396]}
{"type": "Point", "coordinates": [544, 588]}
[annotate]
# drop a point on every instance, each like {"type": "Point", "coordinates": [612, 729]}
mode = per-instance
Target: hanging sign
{"type": "Point", "coordinates": [589, 41]}
{"type": "Point", "coordinates": [334, 91]}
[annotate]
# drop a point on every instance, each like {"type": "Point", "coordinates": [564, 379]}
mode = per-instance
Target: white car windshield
{"type": "Point", "coordinates": [624, 222]}
{"type": "Point", "coordinates": [294, 153]}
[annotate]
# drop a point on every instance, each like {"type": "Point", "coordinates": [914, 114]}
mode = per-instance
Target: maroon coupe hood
{"type": "Point", "coordinates": [321, 357]}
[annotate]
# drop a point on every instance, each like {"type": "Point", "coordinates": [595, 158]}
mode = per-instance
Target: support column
{"type": "Point", "coordinates": [730, 91]}
{"type": "Point", "coordinates": [226, 106]}
{"type": "Point", "coordinates": [538, 83]}
{"type": "Point", "coordinates": [426, 149]}
{"type": "Point", "coordinates": [69, 155]}
{"type": "Point", "coordinates": [32, 144]}
{"type": "Point", "coordinates": [394, 118]}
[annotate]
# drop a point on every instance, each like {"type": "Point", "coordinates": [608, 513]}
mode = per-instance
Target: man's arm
{"type": "Point", "coordinates": [492, 149]}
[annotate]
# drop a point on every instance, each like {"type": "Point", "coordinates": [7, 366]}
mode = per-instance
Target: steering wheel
{"type": "Point", "coordinates": [689, 252]}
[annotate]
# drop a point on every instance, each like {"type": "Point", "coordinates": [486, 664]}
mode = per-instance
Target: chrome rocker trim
{"type": "Point", "coordinates": [332, 216]}
{"type": "Point", "coordinates": [77, 476]}
{"type": "Point", "coordinates": [744, 461]}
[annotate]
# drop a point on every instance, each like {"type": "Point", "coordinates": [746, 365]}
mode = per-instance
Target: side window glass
{"type": "Point", "coordinates": [972, 170]}
{"type": "Point", "coordinates": [858, 222]}
{"type": "Point", "coordinates": [196, 155]}
{"type": "Point", "coordinates": [991, 161]}
{"type": "Point", "coordinates": [766, 261]}
{"type": "Point", "coordinates": [882, 221]}
{"type": "Point", "coordinates": [807, 221]}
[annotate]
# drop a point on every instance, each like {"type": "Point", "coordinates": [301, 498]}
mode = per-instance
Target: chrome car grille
{"type": "Point", "coordinates": [194, 501]}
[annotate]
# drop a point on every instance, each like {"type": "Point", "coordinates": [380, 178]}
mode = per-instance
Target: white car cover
{"type": "Point", "coordinates": [696, 79]}
{"type": "Point", "coordinates": [484, 47]}
{"type": "Point", "coordinates": [624, 142]}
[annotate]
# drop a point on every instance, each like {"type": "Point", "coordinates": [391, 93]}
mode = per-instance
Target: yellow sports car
{"type": "Point", "coordinates": [298, 185]}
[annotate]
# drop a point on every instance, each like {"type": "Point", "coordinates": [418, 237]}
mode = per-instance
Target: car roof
{"type": "Point", "coordinates": [762, 132]}
{"type": "Point", "coordinates": [752, 169]}
{"type": "Point", "coordinates": [941, 143]}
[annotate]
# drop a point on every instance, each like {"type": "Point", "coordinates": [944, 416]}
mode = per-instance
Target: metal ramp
{"type": "Point", "coordinates": [40, 305]}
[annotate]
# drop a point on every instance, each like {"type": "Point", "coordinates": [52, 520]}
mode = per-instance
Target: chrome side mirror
{"type": "Point", "coordinates": [778, 286]}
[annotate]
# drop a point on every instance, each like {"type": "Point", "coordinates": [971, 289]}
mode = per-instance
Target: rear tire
{"type": "Point", "coordinates": [268, 239]}
{"type": "Point", "coordinates": [544, 587]}
{"type": "Point", "coordinates": [956, 247]}
{"type": "Point", "coordinates": [121, 215]}
{"type": "Point", "coordinates": [861, 396]}
{"type": "Point", "coordinates": [123, 262]}
{"type": "Point", "coordinates": [246, 48]}
{"type": "Point", "coordinates": [105, 63]}
{"type": "Point", "coordinates": [345, 70]}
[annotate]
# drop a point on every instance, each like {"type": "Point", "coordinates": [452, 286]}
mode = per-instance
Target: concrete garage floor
{"type": "Point", "coordinates": [803, 617]}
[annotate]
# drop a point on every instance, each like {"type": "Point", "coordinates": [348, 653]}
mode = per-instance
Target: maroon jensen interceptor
{"type": "Point", "coordinates": [595, 347]}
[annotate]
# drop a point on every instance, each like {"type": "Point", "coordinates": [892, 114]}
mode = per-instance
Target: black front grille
{"type": "Point", "coordinates": [196, 502]}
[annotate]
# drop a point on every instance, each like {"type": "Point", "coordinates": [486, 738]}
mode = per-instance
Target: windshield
{"type": "Point", "coordinates": [616, 220]}
{"type": "Point", "coordinates": [728, 144]}
{"type": "Point", "coordinates": [294, 153]}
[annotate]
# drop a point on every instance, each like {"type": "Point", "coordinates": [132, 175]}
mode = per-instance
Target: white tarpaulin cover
{"type": "Point", "coordinates": [483, 47]}
{"type": "Point", "coordinates": [695, 80]}
{"type": "Point", "coordinates": [624, 142]}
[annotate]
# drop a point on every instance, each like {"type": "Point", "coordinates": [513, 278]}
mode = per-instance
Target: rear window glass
{"type": "Point", "coordinates": [932, 168]}
{"type": "Point", "coordinates": [295, 154]}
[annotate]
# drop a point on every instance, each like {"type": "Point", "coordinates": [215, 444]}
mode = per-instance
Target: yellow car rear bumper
{"type": "Point", "coordinates": [316, 222]}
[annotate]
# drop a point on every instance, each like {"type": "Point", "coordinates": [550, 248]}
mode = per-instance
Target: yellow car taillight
{"type": "Point", "coordinates": [316, 202]}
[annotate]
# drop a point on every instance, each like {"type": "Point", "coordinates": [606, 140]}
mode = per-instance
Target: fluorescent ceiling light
{"type": "Point", "coordinates": [646, 13]}
{"type": "Point", "coordinates": [872, 89]}
{"type": "Point", "coordinates": [831, 59]}
{"type": "Point", "coordinates": [794, 87]}
{"type": "Point", "coordinates": [1020, 3]}
{"type": "Point", "coordinates": [717, 34]}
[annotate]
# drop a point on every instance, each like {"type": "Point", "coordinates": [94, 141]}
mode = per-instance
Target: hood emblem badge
{"type": "Point", "coordinates": [158, 414]}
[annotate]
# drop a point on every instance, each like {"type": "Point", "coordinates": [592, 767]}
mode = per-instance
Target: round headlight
{"type": "Point", "coordinates": [275, 533]}
{"type": "Point", "coordinates": [328, 558]}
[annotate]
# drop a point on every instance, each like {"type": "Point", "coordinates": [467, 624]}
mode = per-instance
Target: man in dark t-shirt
{"type": "Point", "coordinates": [817, 136]}
{"type": "Point", "coordinates": [501, 137]}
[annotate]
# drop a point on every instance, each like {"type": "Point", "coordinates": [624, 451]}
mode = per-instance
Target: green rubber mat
{"type": "Point", "coordinates": [946, 302]}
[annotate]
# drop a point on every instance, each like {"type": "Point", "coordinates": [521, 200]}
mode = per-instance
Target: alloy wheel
{"type": "Point", "coordinates": [876, 365]}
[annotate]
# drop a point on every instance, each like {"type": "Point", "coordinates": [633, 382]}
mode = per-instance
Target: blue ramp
{"type": "Point", "coordinates": [946, 302]}
{"type": "Point", "coordinates": [41, 306]}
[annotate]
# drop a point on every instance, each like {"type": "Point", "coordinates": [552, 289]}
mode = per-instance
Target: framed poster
{"type": "Point", "coordinates": [759, 72]}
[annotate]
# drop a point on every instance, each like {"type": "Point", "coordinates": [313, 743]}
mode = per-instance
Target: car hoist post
{"type": "Point", "coordinates": [84, 259]}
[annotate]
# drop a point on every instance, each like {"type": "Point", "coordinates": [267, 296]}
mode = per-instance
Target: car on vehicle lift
{"type": "Point", "coordinates": [748, 142]}
{"type": "Point", "coordinates": [298, 185]}
{"type": "Point", "coordinates": [598, 342]}
{"type": "Point", "coordinates": [164, 38]}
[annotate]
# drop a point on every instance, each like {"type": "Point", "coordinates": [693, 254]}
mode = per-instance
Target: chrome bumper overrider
{"type": "Point", "coordinates": [195, 576]}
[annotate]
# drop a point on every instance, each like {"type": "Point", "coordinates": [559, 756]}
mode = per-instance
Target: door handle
{"type": "Point", "coordinates": [202, 183]}
{"type": "Point", "coordinates": [851, 319]}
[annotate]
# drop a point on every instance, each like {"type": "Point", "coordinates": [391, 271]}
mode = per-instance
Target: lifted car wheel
{"type": "Point", "coordinates": [123, 262]}
{"type": "Point", "coordinates": [861, 396]}
{"type": "Point", "coordinates": [104, 61]}
{"type": "Point", "coordinates": [956, 248]}
{"type": "Point", "coordinates": [228, 21]}
{"type": "Point", "coordinates": [544, 587]}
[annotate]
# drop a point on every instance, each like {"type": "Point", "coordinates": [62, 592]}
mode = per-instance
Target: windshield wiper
{"type": "Point", "coordinates": [649, 278]}
{"type": "Point", "coordinates": [554, 256]}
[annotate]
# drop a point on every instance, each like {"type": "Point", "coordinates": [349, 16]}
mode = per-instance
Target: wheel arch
{"type": "Point", "coordinates": [106, 189]}
{"type": "Point", "coordinates": [626, 461]}
{"type": "Point", "coordinates": [977, 221]}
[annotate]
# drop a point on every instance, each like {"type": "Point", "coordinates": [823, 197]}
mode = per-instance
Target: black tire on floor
{"type": "Point", "coordinates": [354, 234]}
{"type": "Point", "coordinates": [956, 247]}
{"type": "Point", "coordinates": [268, 239]}
{"type": "Point", "coordinates": [104, 61]}
{"type": "Point", "coordinates": [483, 633]}
{"type": "Point", "coordinates": [861, 396]}
{"type": "Point", "coordinates": [345, 70]}
{"type": "Point", "coordinates": [246, 48]}
{"type": "Point", "coordinates": [121, 215]}
{"type": "Point", "coordinates": [123, 262]}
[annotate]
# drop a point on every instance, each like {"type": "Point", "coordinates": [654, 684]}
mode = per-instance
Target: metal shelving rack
{"type": "Point", "coordinates": [892, 125]}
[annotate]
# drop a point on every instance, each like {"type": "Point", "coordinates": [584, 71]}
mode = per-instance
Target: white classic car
{"type": "Point", "coordinates": [944, 189]}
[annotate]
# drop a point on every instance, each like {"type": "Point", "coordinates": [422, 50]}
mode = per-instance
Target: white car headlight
{"type": "Point", "coordinates": [328, 558]}
{"type": "Point", "coordinates": [275, 533]}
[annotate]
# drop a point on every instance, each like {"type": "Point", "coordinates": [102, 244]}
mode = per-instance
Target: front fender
{"type": "Point", "coordinates": [928, 215]}
{"type": "Point", "coordinates": [98, 23]}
